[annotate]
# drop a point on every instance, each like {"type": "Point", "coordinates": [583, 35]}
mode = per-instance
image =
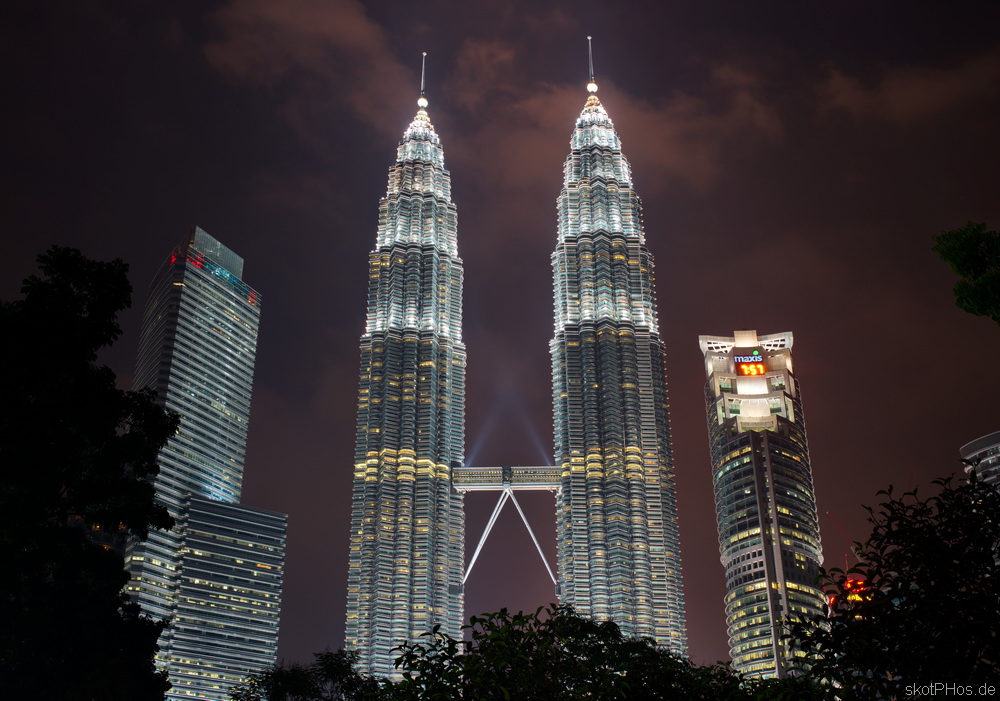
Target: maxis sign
{"type": "Point", "coordinates": [750, 364]}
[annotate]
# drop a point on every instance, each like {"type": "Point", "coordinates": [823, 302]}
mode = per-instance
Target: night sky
{"type": "Point", "coordinates": [794, 160]}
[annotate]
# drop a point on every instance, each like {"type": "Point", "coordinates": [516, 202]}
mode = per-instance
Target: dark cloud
{"type": "Point", "coordinates": [906, 94]}
{"type": "Point", "coordinates": [329, 55]}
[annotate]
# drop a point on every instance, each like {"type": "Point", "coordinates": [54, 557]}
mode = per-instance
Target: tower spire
{"type": "Point", "coordinates": [422, 100]}
{"type": "Point", "coordinates": [591, 86]}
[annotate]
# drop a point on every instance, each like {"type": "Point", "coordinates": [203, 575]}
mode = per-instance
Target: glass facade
{"type": "Point", "coordinates": [616, 508]}
{"type": "Point", "coordinates": [407, 526]}
{"type": "Point", "coordinates": [765, 505]}
{"type": "Point", "coordinates": [197, 350]}
{"type": "Point", "coordinates": [230, 573]}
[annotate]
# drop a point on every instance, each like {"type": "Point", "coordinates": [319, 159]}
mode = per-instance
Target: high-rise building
{"type": "Point", "coordinates": [983, 456]}
{"type": "Point", "coordinates": [617, 535]}
{"type": "Point", "coordinates": [407, 525]}
{"type": "Point", "coordinates": [218, 573]}
{"type": "Point", "coordinates": [764, 500]}
{"type": "Point", "coordinates": [230, 572]}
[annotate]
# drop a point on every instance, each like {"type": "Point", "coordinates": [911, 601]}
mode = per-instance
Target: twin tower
{"type": "Point", "coordinates": [616, 510]}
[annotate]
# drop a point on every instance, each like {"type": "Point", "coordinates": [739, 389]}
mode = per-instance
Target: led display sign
{"type": "Point", "coordinates": [750, 364]}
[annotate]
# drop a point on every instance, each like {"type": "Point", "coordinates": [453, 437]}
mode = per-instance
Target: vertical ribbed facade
{"type": "Point", "coordinates": [197, 350]}
{"type": "Point", "coordinates": [618, 543]}
{"type": "Point", "coordinates": [765, 504]}
{"type": "Point", "coordinates": [407, 526]}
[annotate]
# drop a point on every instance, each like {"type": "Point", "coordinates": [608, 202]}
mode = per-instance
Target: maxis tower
{"type": "Point", "coordinates": [619, 553]}
{"type": "Point", "coordinates": [407, 525]}
{"type": "Point", "coordinates": [764, 499]}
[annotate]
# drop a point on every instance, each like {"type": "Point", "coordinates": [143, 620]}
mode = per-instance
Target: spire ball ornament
{"type": "Point", "coordinates": [422, 102]}
{"type": "Point", "coordinates": [591, 87]}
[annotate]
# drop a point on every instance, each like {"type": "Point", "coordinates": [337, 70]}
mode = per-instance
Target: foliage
{"type": "Point", "coordinates": [76, 452]}
{"type": "Point", "coordinates": [787, 689]}
{"type": "Point", "coordinates": [974, 254]}
{"type": "Point", "coordinates": [553, 654]}
{"type": "Point", "coordinates": [550, 654]}
{"type": "Point", "coordinates": [331, 677]}
{"type": "Point", "coordinates": [280, 683]}
{"type": "Point", "coordinates": [929, 609]}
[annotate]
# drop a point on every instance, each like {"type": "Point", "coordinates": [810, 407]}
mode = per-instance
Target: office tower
{"type": "Point", "coordinates": [230, 572]}
{"type": "Point", "coordinates": [983, 455]}
{"type": "Point", "coordinates": [218, 573]}
{"type": "Point", "coordinates": [407, 539]}
{"type": "Point", "coordinates": [764, 500]}
{"type": "Point", "coordinates": [618, 546]}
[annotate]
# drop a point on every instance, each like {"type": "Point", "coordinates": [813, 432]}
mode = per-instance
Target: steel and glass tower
{"type": "Point", "coordinates": [618, 544]}
{"type": "Point", "coordinates": [764, 500]}
{"type": "Point", "coordinates": [217, 575]}
{"type": "Point", "coordinates": [407, 525]}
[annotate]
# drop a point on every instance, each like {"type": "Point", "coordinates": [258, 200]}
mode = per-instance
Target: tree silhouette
{"type": "Point", "coordinates": [554, 654]}
{"type": "Point", "coordinates": [331, 677]}
{"type": "Point", "coordinates": [974, 254]}
{"type": "Point", "coordinates": [923, 605]}
{"type": "Point", "coordinates": [76, 453]}
{"type": "Point", "coordinates": [548, 655]}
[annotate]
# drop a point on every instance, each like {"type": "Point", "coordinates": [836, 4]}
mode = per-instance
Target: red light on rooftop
{"type": "Point", "coordinates": [852, 591]}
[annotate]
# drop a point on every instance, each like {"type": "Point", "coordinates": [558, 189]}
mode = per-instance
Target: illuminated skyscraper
{"type": "Point", "coordinates": [218, 573]}
{"type": "Point", "coordinates": [619, 554]}
{"type": "Point", "coordinates": [764, 500]}
{"type": "Point", "coordinates": [407, 525]}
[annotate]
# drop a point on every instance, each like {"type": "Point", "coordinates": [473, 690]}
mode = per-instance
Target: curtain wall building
{"type": "Point", "coordinates": [764, 500]}
{"type": "Point", "coordinates": [618, 544]}
{"type": "Point", "coordinates": [218, 573]}
{"type": "Point", "coordinates": [407, 525]}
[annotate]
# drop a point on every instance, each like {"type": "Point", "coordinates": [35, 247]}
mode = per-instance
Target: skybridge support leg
{"type": "Point", "coordinates": [508, 493]}
{"type": "Point", "coordinates": [533, 538]}
{"type": "Point", "coordinates": [489, 527]}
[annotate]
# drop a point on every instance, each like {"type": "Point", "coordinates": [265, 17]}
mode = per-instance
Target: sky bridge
{"type": "Point", "coordinates": [507, 480]}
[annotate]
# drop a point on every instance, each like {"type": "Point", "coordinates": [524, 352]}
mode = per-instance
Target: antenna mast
{"type": "Point", "coordinates": [423, 69]}
{"type": "Point", "coordinates": [592, 85]}
{"type": "Point", "coordinates": [590, 56]}
{"type": "Point", "coordinates": [422, 101]}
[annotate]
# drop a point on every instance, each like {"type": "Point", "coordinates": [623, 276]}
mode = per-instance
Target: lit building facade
{"type": "Point", "coordinates": [230, 573]}
{"type": "Point", "coordinates": [983, 455]}
{"type": "Point", "coordinates": [616, 508]}
{"type": "Point", "coordinates": [407, 525]}
{"type": "Point", "coordinates": [765, 504]}
{"type": "Point", "coordinates": [218, 573]}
